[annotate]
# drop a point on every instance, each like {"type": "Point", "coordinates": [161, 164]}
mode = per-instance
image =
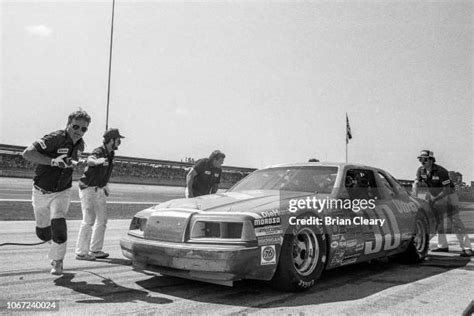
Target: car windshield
{"type": "Point", "coordinates": [319, 179]}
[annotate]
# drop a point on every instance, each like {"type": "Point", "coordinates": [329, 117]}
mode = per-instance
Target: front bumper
{"type": "Point", "coordinates": [221, 264]}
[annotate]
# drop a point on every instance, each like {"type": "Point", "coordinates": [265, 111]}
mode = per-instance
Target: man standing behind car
{"type": "Point", "coordinates": [205, 176]}
{"type": "Point", "coordinates": [444, 199]}
{"type": "Point", "coordinates": [55, 154]}
{"type": "Point", "coordinates": [93, 191]}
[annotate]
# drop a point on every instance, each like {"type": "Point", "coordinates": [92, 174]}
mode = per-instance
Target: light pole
{"type": "Point", "coordinates": [110, 64]}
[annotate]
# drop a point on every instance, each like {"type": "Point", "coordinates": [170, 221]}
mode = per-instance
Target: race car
{"type": "Point", "coordinates": [285, 224]}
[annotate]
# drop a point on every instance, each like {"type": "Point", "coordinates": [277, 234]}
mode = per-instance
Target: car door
{"type": "Point", "coordinates": [378, 224]}
{"type": "Point", "coordinates": [403, 208]}
{"type": "Point", "coordinates": [396, 229]}
{"type": "Point", "coordinates": [347, 239]}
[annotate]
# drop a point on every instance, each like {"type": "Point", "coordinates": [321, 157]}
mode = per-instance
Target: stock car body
{"type": "Point", "coordinates": [285, 224]}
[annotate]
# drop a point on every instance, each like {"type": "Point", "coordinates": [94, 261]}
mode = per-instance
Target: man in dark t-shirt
{"type": "Point", "coordinates": [93, 192]}
{"type": "Point", "coordinates": [205, 176]}
{"type": "Point", "coordinates": [55, 155]}
{"type": "Point", "coordinates": [443, 198]}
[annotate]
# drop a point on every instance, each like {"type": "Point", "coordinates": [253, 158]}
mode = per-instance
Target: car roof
{"type": "Point", "coordinates": [341, 165]}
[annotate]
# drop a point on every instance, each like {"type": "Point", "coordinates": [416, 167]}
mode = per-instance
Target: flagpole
{"type": "Point", "coordinates": [110, 65]}
{"type": "Point", "coordinates": [346, 137]}
{"type": "Point", "coordinates": [346, 147]}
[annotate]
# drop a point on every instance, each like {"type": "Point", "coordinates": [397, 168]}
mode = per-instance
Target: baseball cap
{"type": "Point", "coordinates": [112, 133]}
{"type": "Point", "coordinates": [425, 153]}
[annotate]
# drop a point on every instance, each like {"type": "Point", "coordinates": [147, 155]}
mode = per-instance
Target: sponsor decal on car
{"type": "Point", "coordinates": [337, 257]}
{"type": "Point", "coordinates": [266, 221]}
{"type": "Point", "coordinates": [270, 213]}
{"type": "Point", "coordinates": [359, 247]}
{"type": "Point", "coordinates": [403, 207]}
{"type": "Point", "coordinates": [268, 255]}
{"type": "Point", "coordinates": [270, 240]}
{"type": "Point", "coordinates": [268, 230]}
{"type": "Point", "coordinates": [352, 243]}
{"type": "Point", "coordinates": [349, 260]}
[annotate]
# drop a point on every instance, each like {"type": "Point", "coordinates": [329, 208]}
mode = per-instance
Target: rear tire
{"type": "Point", "coordinates": [419, 245]}
{"type": "Point", "coordinates": [302, 259]}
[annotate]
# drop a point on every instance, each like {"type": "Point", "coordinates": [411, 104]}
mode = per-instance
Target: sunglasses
{"type": "Point", "coordinates": [76, 127]}
{"type": "Point", "coordinates": [423, 159]}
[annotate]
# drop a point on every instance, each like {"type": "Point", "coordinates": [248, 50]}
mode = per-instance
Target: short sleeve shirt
{"type": "Point", "coordinates": [207, 176]}
{"type": "Point", "coordinates": [436, 180]}
{"type": "Point", "coordinates": [98, 176]}
{"type": "Point", "coordinates": [55, 144]}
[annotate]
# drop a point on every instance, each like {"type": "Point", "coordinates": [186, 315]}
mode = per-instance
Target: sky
{"type": "Point", "coordinates": [266, 82]}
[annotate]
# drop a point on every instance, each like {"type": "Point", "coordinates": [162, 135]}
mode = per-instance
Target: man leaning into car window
{"type": "Point", "coordinates": [205, 176]}
{"type": "Point", "coordinates": [443, 198]}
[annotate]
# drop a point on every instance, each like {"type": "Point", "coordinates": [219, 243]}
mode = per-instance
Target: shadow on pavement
{"type": "Point", "coordinates": [107, 292]}
{"type": "Point", "coordinates": [117, 261]}
{"type": "Point", "coordinates": [353, 282]}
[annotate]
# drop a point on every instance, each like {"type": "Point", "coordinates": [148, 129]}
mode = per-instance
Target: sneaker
{"type": "Point", "coordinates": [440, 250]}
{"type": "Point", "coordinates": [99, 254]}
{"type": "Point", "coordinates": [86, 257]}
{"type": "Point", "coordinates": [466, 253]}
{"type": "Point", "coordinates": [57, 268]}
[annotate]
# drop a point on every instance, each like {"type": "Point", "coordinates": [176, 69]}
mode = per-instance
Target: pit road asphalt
{"type": "Point", "coordinates": [442, 285]}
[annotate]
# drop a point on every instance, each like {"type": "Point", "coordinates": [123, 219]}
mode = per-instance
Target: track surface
{"type": "Point", "coordinates": [442, 285]}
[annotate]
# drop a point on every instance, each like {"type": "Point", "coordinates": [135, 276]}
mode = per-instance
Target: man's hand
{"type": "Point", "coordinates": [100, 161]}
{"type": "Point", "coordinates": [81, 163]}
{"type": "Point", "coordinates": [61, 162]}
{"type": "Point", "coordinates": [188, 194]}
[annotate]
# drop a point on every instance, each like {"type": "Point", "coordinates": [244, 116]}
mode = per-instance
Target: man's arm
{"type": "Point", "coordinates": [214, 188]}
{"type": "Point", "coordinates": [446, 191]}
{"type": "Point", "coordinates": [445, 181]}
{"type": "Point", "coordinates": [94, 161]}
{"type": "Point", "coordinates": [414, 188]}
{"type": "Point", "coordinates": [189, 183]}
{"type": "Point", "coordinates": [32, 155]}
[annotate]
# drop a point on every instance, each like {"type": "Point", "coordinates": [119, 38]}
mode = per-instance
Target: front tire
{"type": "Point", "coordinates": [419, 245]}
{"type": "Point", "coordinates": [302, 259]}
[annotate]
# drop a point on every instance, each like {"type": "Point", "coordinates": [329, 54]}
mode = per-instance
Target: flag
{"type": "Point", "coordinates": [348, 130]}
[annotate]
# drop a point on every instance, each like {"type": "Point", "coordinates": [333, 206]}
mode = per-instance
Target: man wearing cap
{"type": "Point", "coordinates": [205, 176]}
{"type": "Point", "coordinates": [55, 155]}
{"type": "Point", "coordinates": [444, 200]}
{"type": "Point", "coordinates": [93, 191]}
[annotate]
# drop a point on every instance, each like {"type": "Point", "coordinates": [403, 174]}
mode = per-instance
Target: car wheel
{"type": "Point", "coordinates": [419, 245]}
{"type": "Point", "coordinates": [302, 259]}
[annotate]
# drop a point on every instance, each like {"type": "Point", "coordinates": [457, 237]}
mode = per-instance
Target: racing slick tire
{"type": "Point", "coordinates": [302, 258]}
{"type": "Point", "coordinates": [419, 245]}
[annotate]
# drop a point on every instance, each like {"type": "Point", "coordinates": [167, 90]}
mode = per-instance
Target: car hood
{"type": "Point", "coordinates": [243, 201]}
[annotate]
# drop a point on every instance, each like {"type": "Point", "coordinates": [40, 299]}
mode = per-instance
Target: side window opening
{"type": "Point", "coordinates": [361, 184]}
{"type": "Point", "coordinates": [387, 185]}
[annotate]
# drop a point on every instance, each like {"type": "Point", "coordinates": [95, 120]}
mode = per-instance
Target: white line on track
{"type": "Point", "coordinates": [108, 202]}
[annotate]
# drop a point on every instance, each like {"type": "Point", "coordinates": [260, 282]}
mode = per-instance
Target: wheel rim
{"type": "Point", "coordinates": [420, 237]}
{"type": "Point", "coordinates": [305, 251]}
